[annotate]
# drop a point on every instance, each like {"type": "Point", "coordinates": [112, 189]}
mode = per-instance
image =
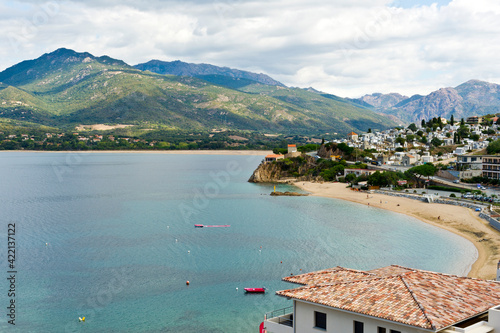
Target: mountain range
{"type": "Point", "coordinates": [65, 88]}
{"type": "Point", "coordinates": [472, 98]}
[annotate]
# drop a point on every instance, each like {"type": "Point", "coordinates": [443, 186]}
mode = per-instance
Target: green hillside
{"type": "Point", "coordinates": [66, 88]}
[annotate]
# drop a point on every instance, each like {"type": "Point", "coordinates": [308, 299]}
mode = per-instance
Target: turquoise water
{"type": "Point", "coordinates": [121, 243]}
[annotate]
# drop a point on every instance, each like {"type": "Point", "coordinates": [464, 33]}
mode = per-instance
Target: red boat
{"type": "Point", "coordinates": [198, 225]}
{"type": "Point", "coordinates": [255, 290]}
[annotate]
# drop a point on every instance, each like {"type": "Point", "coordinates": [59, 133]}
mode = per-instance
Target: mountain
{"type": "Point", "coordinates": [207, 72]}
{"type": "Point", "coordinates": [66, 88]}
{"type": "Point", "coordinates": [378, 100]}
{"type": "Point", "coordinates": [472, 98]}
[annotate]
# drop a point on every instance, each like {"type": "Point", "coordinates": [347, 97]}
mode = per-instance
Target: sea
{"type": "Point", "coordinates": [111, 237]}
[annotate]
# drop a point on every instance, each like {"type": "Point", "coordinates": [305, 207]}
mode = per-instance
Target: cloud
{"type": "Point", "coordinates": [344, 47]}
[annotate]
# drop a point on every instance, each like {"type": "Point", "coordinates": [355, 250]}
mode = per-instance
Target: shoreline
{"type": "Point", "coordinates": [162, 152]}
{"type": "Point", "coordinates": [458, 220]}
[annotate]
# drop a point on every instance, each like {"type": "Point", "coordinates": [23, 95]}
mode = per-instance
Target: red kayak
{"type": "Point", "coordinates": [255, 290]}
{"type": "Point", "coordinates": [198, 225]}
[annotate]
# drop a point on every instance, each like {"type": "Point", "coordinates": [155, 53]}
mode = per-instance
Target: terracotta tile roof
{"type": "Point", "coordinates": [352, 133]}
{"type": "Point", "coordinates": [413, 297]}
{"type": "Point", "coordinates": [331, 275]}
{"type": "Point", "coordinates": [390, 270]}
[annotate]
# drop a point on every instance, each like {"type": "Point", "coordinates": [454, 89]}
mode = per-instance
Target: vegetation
{"type": "Point", "coordinates": [72, 88]}
{"type": "Point", "coordinates": [493, 147]}
{"type": "Point", "coordinates": [421, 171]}
{"type": "Point", "coordinates": [443, 188]}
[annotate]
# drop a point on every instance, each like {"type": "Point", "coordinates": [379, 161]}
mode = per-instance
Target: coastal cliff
{"type": "Point", "coordinates": [301, 168]}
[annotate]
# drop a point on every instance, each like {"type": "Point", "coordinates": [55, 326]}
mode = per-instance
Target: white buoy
{"type": "Point", "coordinates": [189, 251]}
{"type": "Point", "coordinates": [236, 288]}
{"type": "Point", "coordinates": [176, 240]}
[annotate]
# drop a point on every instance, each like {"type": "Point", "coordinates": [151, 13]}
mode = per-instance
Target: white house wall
{"type": "Point", "coordinates": [338, 321]}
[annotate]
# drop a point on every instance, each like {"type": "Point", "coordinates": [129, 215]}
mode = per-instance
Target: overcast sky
{"type": "Point", "coordinates": [344, 47]}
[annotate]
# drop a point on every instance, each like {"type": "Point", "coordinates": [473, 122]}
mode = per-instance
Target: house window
{"type": "Point", "coordinates": [381, 330]}
{"type": "Point", "coordinates": [358, 327]}
{"type": "Point", "coordinates": [394, 331]}
{"type": "Point", "coordinates": [320, 320]}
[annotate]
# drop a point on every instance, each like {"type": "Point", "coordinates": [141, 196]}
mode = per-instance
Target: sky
{"type": "Point", "coordinates": [344, 47]}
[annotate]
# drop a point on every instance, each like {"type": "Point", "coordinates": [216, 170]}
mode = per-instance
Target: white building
{"type": "Point", "coordinates": [392, 299]}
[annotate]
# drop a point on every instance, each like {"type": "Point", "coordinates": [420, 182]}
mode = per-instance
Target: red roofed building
{"type": "Point", "coordinates": [391, 299]}
{"type": "Point", "coordinates": [273, 157]}
{"type": "Point", "coordinates": [352, 136]}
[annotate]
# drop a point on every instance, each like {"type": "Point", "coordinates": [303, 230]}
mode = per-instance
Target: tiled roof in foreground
{"type": "Point", "coordinates": [336, 274]}
{"type": "Point", "coordinates": [413, 297]}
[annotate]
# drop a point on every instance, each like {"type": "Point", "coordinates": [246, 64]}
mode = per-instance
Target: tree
{"type": "Point", "coordinates": [385, 178]}
{"type": "Point", "coordinates": [350, 177]}
{"type": "Point", "coordinates": [425, 170]}
{"type": "Point", "coordinates": [369, 130]}
{"type": "Point", "coordinates": [436, 142]}
{"type": "Point", "coordinates": [462, 122]}
{"type": "Point", "coordinates": [412, 127]}
{"type": "Point", "coordinates": [452, 120]}
{"type": "Point", "coordinates": [423, 123]}
{"type": "Point", "coordinates": [400, 140]}
{"type": "Point", "coordinates": [475, 137]}
{"type": "Point", "coordinates": [440, 122]}
{"type": "Point", "coordinates": [493, 147]}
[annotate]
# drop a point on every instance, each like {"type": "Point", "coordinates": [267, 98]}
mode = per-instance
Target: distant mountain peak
{"type": "Point", "coordinates": [204, 71]}
{"type": "Point", "coordinates": [474, 97]}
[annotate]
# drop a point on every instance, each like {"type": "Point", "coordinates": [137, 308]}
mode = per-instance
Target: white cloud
{"type": "Point", "coordinates": [343, 47]}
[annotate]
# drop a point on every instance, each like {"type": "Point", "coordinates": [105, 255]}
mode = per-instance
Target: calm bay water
{"type": "Point", "coordinates": [111, 237]}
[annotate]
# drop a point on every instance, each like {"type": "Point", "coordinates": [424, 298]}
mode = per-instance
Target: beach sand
{"type": "Point", "coordinates": [459, 220]}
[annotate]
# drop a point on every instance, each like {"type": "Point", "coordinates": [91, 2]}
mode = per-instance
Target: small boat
{"type": "Point", "coordinates": [255, 290]}
{"type": "Point", "coordinates": [212, 226]}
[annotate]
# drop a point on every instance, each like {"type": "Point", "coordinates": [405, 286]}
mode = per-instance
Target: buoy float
{"type": "Point", "coordinates": [187, 283]}
{"type": "Point", "coordinates": [176, 240]}
{"type": "Point", "coordinates": [81, 318]}
{"type": "Point", "coordinates": [189, 251]}
{"type": "Point", "coordinates": [236, 288]}
{"type": "Point", "coordinates": [46, 244]}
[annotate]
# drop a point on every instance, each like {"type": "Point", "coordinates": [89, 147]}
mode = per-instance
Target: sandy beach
{"type": "Point", "coordinates": [173, 152]}
{"type": "Point", "coordinates": [459, 220]}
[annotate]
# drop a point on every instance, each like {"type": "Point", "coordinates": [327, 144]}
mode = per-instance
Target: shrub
{"type": "Point", "coordinates": [453, 195]}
